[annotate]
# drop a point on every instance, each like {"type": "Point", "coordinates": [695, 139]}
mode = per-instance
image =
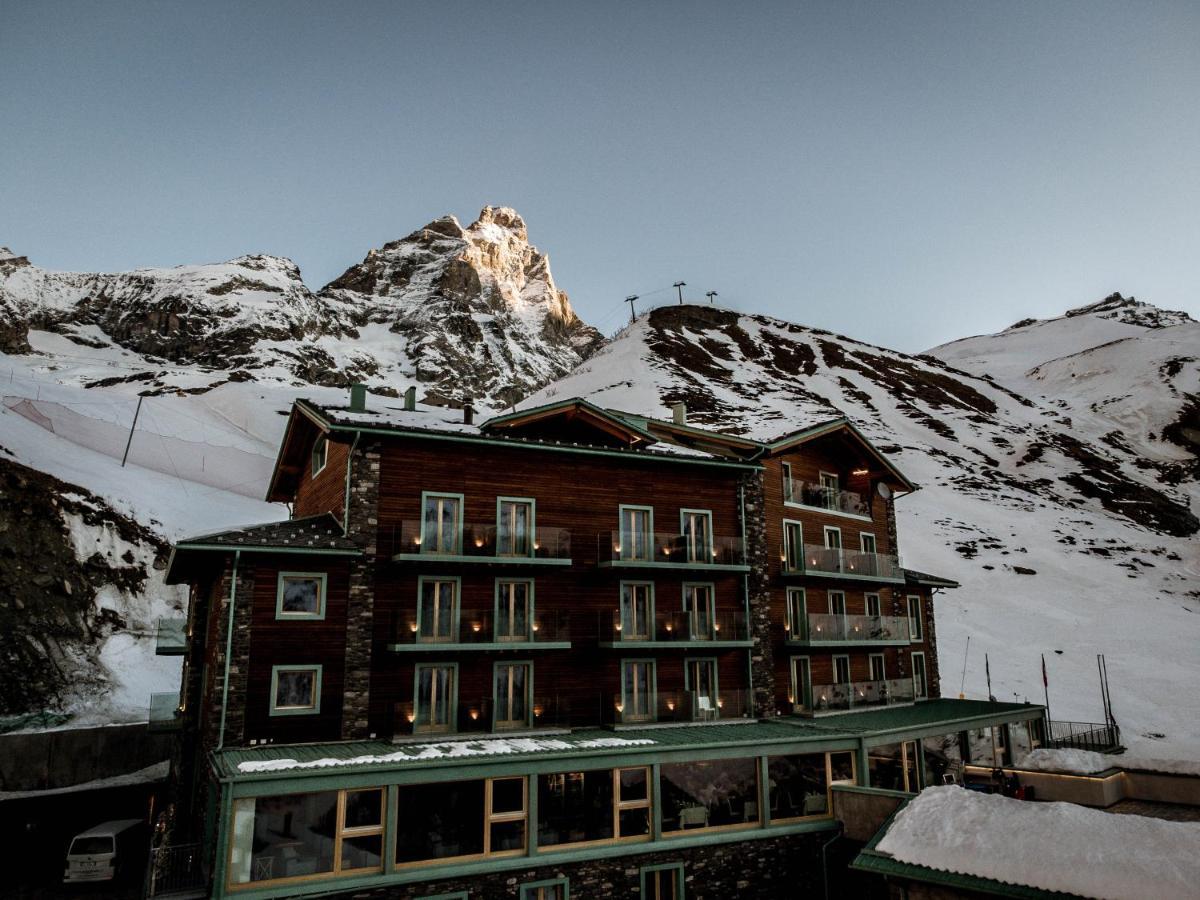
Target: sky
{"type": "Point", "coordinates": [904, 173]}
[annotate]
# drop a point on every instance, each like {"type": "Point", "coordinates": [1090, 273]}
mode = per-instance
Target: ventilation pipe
{"type": "Point", "coordinates": [410, 399]}
{"type": "Point", "coordinates": [358, 397]}
{"type": "Point", "coordinates": [468, 412]}
{"type": "Point", "coordinates": [679, 413]}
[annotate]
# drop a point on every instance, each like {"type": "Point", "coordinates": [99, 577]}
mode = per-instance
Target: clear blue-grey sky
{"type": "Point", "coordinates": [905, 173]}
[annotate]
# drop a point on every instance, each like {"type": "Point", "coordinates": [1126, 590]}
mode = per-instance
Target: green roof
{"type": "Point", "coordinates": [928, 714]}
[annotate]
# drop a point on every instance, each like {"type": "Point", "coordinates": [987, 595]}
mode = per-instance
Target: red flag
{"type": "Point", "coordinates": [1045, 678]}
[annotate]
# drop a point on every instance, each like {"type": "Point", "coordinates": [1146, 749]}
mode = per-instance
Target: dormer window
{"type": "Point", "coordinates": [320, 455]}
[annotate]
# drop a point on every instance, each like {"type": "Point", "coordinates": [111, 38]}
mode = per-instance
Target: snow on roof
{"type": "Point", "coordinates": [1086, 762]}
{"type": "Point", "coordinates": [1047, 846]}
{"type": "Point", "coordinates": [445, 750]}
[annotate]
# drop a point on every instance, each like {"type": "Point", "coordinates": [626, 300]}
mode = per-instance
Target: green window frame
{"type": "Point", "coordinates": [632, 626]}
{"type": "Point", "coordinates": [788, 490]}
{"type": "Point", "coordinates": [792, 557]}
{"type": "Point", "coordinates": [537, 890]}
{"type": "Point", "coordinates": [526, 721]}
{"type": "Point", "coordinates": [635, 545]}
{"type": "Point", "coordinates": [310, 710]}
{"type": "Point", "coordinates": [457, 548]}
{"type": "Point", "coordinates": [322, 580]}
{"type": "Point", "coordinates": [867, 604]}
{"type": "Point", "coordinates": [523, 545]}
{"type": "Point", "coordinates": [713, 708]}
{"type": "Point", "coordinates": [868, 537]}
{"type": "Point", "coordinates": [826, 531]}
{"type": "Point", "coordinates": [916, 630]}
{"type": "Point", "coordinates": [882, 659]}
{"type": "Point", "coordinates": [455, 616]}
{"type": "Point", "coordinates": [923, 692]}
{"type": "Point", "coordinates": [502, 601]}
{"type": "Point", "coordinates": [702, 553]}
{"type": "Point", "coordinates": [796, 613]}
{"type": "Point", "coordinates": [801, 672]}
{"type": "Point", "coordinates": [654, 889]}
{"type": "Point", "coordinates": [702, 622]}
{"type": "Point", "coordinates": [451, 724]}
{"type": "Point", "coordinates": [650, 702]}
{"type": "Point", "coordinates": [320, 455]}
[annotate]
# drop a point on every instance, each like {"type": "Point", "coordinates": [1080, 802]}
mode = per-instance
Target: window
{"type": "Point", "coordinates": [719, 793]}
{"type": "Point", "coordinates": [300, 595]}
{"type": "Point", "coordinates": [700, 681]}
{"type": "Point", "coordinates": [296, 835]}
{"type": "Point", "coordinates": [866, 542]}
{"type": "Point", "coordinates": [637, 533]}
{"type": "Point", "coordinates": [514, 686]}
{"type": "Point", "coordinates": [843, 769]}
{"type": "Point", "coordinates": [437, 610]}
{"type": "Point", "coordinates": [546, 890]}
{"type": "Point", "coordinates": [698, 607]}
{"type": "Point", "coordinates": [793, 546]}
{"type": "Point", "coordinates": [837, 603]}
{"type": "Point", "coordinates": [873, 605]}
{"type": "Point", "coordinates": [514, 610]}
{"type": "Point", "coordinates": [295, 690]}
{"type": "Point", "coordinates": [637, 703]}
{"type": "Point", "coordinates": [320, 455]}
{"type": "Point", "coordinates": [833, 538]}
{"type": "Point", "coordinates": [696, 528]}
{"type": "Point", "coordinates": [450, 821]}
{"type": "Point", "coordinates": [914, 617]}
{"type": "Point", "coordinates": [799, 786]}
{"type": "Point", "coordinates": [796, 623]}
{"type": "Point", "coordinates": [841, 670]}
{"type": "Point", "coordinates": [441, 523]}
{"type": "Point", "coordinates": [663, 882]}
{"type": "Point", "coordinates": [894, 766]}
{"type": "Point", "coordinates": [829, 491]}
{"type": "Point", "coordinates": [877, 667]}
{"type": "Point", "coordinates": [597, 806]}
{"type": "Point", "coordinates": [801, 684]}
{"type": "Point", "coordinates": [637, 611]}
{"type": "Point", "coordinates": [514, 526]}
{"type": "Point", "coordinates": [436, 697]}
{"type": "Point", "coordinates": [788, 491]}
{"type": "Point", "coordinates": [920, 682]}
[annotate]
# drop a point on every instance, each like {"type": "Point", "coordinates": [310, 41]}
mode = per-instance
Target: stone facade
{"type": "Point", "coordinates": [239, 661]}
{"type": "Point", "coordinates": [768, 869]}
{"type": "Point", "coordinates": [758, 587]}
{"type": "Point", "coordinates": [362, 525]}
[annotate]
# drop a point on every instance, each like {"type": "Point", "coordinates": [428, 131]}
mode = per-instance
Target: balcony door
{"type": "Point", "coordinates": [701, 683]}
{"type": "Point", "coordinates": [637, 690]}
{"type": "Point", "coordinates": [435, 698]}
{"type": "Point", "coordinates": [513, 681]}
{"type": "Point", "coordinates": [441, 524]}
{"type": "Point", "coordinates": [698, 607]}
{"type": "Point", "coordinates": [878, 669]}
{"type": "Point", "coordinates": [793, 546]}
{"type": "Point", "coordinates": [637, 534]}
{"type": "Point", "coordinates": [920, 679]}
{"type": "Point", "coordinates": [801, 683]}
{"type": "Point", "coordinates": [841, 670]}
{"type": "Point", "coordinates": [637, 611]}
{"type": "Point", "coordinates": [513, 610]}
{"type": "Point", "coordinates": [797, 614]}
{"type": "Point", "coordinates": [873, 605]}
{"type": "Point", "coordinates": [697, 535]}
{"type": "Point", "coordinates": [514, 527]}
{"type": "Point", "coordinates": [829, 490]}
{"type": "Point", "coordinates": [438, 614]}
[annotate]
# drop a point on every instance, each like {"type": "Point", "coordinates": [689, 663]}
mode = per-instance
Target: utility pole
{"type": "Point", "coordinates": [629, 300]}
{"type": "Point", "coordinates": [679, 286]}
{"type": "Point", "coordinates": [136, 413]}
{"type": "Point", "coordinates": [710, 296]}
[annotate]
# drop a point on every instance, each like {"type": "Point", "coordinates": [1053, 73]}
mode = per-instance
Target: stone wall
{"type": "Point", "coordinates": [239, 662]}
{"type": "Point", "coordinates": [762, 655]}
{"type": "Point", "coordinates": [362, 524]}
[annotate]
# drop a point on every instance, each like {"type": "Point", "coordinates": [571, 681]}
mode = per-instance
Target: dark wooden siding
{"type": "Point", "coordinates": [327, 491]}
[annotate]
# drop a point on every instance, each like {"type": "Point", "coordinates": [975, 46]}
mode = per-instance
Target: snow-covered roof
{"type": "Point", "coordinates": [1045, 846]}
{"type": "Point", "coordinates": [915, 577]}
{"type": "Point", "coordinates": [1087, 762]}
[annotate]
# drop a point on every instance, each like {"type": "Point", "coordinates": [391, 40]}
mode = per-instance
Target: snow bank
{"type": "Point", "coordinates": [1085, 762]}
{"type": "Point", "coordinates": [1050, 846]}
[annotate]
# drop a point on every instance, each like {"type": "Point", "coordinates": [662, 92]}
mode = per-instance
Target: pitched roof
{"type": "Point", "coordinates": [924, 578]}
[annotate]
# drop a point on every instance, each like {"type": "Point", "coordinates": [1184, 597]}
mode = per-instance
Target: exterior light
{"type": "Point", "coordinates": [537, 712]}
{"type": "Point", "coordinates": [720, 703]}
{"type": "Point", "coordinates": [620, 708]}
{"type": "Point", "coordinates": [475, 627]}
{"type": "Point", "coordinates": [616, 548]}
{"type": "Point", "coordinates": [536, 626]}
{"type": "Point", "coordinates": [478, 542]}
{"type": "Point", "coordinates": [474, 714]}
{"type": "Point", "coordinates": [717, 627]}
{"type": "Point", "coordinates": [417, 541]}
{"type": "Point", "coordinates": [671, 705]}
{"type": "Point", "coordinates": [537, 545]}
{"type": "Point", "coordinates": [413, 627]}
{"type": "Point", "coordinates": [410, 718]}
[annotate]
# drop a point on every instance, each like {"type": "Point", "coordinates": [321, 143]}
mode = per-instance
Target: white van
{"type": "Point", "coordinates": [103, 852]}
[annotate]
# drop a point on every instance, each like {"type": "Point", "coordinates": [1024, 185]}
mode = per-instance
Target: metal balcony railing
{"type": "Point", "coordinates": [171, 637]}
{"type": "Point", "coordinates": [479, 716]}
{"type": "Point", "coordinates": [850, 563]}
{"type": "Point", "coordinates": [164, 712]}
{"type": "Point", "coordinates": [642, 548]}
{"type": "Point", "coordinates": [1093, 736]}
{"type": "Point", "coordinates": [818, 496]}
{"type": "Point", "coordinates": [550, 627]}
{"type": "Point", "coordinates": [626, 627]}
{"type": "Point", "coordinates": [820, 628]}
{"type": "Point", "coordinates": [678, 706]}
{"type": "Point", "coordinates": [858, 695]}
{"type": "Point", "coordinates": [483, 541]}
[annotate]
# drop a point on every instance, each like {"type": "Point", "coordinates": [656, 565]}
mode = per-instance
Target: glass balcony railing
{"type": "Point", "coordinates": [832, 628]}
{"type": "Point", "coordinates": [848, 563]}
{"type": "Point", "coordinates": [644, 548]}
{"type": "Point", "coordinates": [164, 712]}
{"type": "Point", "coordinates": [551, 627]}
{"type": "Point", "coordinates": [857, 695]}
{"type": "Point", "coordinates": [479, 715]}
{"type": "Point", "coordinates": [679, 706]}
{"type": "Point", "coordinates": [484, 542]}
{"type": "Point", "coordinates": [171, 637]}
{"type": "Point", "coordinates": [676, 627]}
{"type": "Point", "coordinates": [818, 496]}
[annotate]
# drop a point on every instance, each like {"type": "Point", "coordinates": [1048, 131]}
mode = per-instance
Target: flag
{"type": "Point", "coordinates": [1045, 677]}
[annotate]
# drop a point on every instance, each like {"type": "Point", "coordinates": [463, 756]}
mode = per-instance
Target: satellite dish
{"type": "Point", "coordinates": [884, 491]}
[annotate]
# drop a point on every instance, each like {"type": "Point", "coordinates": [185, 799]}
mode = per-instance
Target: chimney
{"type": "Point", "coordinates": [410, 399]}
{"type": "Point", "coordinates": [358, 397]}
{"type": "Point", "coordinates": [679, 413]}
{"type": "Point", "coordinates": [468, 412]}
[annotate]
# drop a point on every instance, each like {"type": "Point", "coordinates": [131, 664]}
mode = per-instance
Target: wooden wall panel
{"type": "Point", "coordinates": [327, 491]}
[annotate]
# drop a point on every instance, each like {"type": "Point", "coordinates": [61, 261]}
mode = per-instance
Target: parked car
{"type": "Point", "coordinates": [107, 851]}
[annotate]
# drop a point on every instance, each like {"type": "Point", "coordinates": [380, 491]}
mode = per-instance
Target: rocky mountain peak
{"type": "Point", "coordinates": [10, 260]}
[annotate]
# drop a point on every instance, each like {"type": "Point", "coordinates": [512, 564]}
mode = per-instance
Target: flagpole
{"type": "Point", "coordinates": [1046, 686]}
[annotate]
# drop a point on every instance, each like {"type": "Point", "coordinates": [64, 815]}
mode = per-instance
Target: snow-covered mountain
{"type": "Point", "coordinates": [1066, 541]}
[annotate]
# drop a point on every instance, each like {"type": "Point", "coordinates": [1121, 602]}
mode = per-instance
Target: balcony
{"type": "Point", "coordinates": [826, 499]}
{"type": "Point", "coordinates": [680, 707]}
{"type": "Point", "coordinates": [171, 637]}
{"type": "Point", "coordinates": [478, 716]}
{"type": "Point", "coordinates": [482, 543]}
{"type": "Point", "coordinates": [831, 562]}
{"type": "Point", "coordinates": [828, 698]}
{"type": "Point", "coordinates": [820, 630]}
{"type": "Point", "coordinates": [644, 549]}
{"type": "Point", "coordinates": [725, 630]}
{"type": "Point", "coordinates": [164, 712]}
{"type": "Point", "coordinates": [477, 631]}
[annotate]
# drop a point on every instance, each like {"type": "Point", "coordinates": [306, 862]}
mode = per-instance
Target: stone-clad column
{"type": "Point", "coordinates": [362, 526]}
{"type": "Point", "coordinates": [762, 655]}
{"type": "Point", "coordinates": [239, 659]}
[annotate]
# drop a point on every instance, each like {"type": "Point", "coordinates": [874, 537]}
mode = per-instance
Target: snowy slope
{"type": "Point", "coordinates": [1009, 484]}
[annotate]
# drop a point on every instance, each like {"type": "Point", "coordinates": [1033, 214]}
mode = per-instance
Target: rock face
{"type": "Point", "coordinates": [467, 312]}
